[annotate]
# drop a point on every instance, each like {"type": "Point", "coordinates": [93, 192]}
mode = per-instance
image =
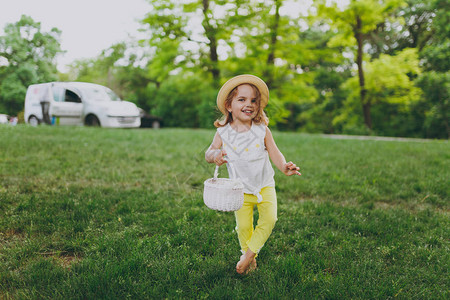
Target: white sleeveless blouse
{"type": "Point", "coordinates": [248, 159]}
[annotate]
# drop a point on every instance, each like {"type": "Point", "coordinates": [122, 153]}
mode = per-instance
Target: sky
{"type": "Point", "coordinates": [88, 26]}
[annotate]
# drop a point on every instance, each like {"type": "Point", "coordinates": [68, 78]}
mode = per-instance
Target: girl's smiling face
{"type": "Point", "coordinates": [244, 106]}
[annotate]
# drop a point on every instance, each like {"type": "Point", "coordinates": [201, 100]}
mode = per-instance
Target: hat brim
{"type": "Point", "coordinates": [238, 80]}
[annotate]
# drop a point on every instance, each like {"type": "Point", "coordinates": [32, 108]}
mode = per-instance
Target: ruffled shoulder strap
{"type": "Point", "coordinates": [222, 129]}
{"type": "Point", "coordinates": [259, 130]}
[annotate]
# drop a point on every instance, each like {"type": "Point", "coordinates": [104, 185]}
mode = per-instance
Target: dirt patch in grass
{"type": "Point", "coordinates": [64, 259]}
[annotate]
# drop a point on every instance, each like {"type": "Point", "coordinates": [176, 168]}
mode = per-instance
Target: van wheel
{"type": "Point", "coordinates": [155, 125]}
{"type": "Point", "coordinates": [33, 121]}
{"type": "Point", "coordinates": [92, 120]}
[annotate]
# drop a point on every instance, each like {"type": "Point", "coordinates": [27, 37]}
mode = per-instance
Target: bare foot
{"type": "Point", "coordinates": [252, 266]}
{"type": "Point", "coordinates": [246, 260]}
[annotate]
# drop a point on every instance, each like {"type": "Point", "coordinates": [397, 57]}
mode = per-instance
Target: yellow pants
{"type": "Point", "coordinates": [254, 238]}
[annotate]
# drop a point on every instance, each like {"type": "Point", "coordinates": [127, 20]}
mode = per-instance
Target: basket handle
{"type": "Point", "coordinates": [216, 172]}
{"type": "Point", "coordinates": [233, 171]}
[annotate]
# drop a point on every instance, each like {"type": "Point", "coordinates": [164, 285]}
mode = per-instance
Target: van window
{"type": "Point", "coordinates": [72, 97]}
{"type": "Point", "coordinates": [58, 93]}
{"type": "Point", "coordinates": [101, 94]}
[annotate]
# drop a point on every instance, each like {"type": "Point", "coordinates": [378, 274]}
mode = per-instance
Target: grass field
{"type": "Point", "coordinates": [91, 213]}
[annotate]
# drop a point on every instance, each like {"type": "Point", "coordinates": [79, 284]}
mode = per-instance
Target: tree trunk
{"type": "Point", "coordinates": [268, 74]}
{"type": "Point", "coordinates": [211, 35]}
{"type": "Point", "coordinates": [359, 61]}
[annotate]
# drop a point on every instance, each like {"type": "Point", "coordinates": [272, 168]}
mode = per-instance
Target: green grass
{"type": "Point", "coordinates": [89, 213]}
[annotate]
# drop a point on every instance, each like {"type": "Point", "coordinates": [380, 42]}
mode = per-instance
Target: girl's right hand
{"type": "Point", "coordinates": [219, 159]}
{"type": "Point", "coordinates": [291, 169]}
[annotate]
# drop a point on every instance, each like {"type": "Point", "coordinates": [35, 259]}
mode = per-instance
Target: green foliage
{"type": "Point", "coordinates": [353, 23]}
{"type": "Point", "coordinates": [186, 100]}
{"type": "Point", "coordinates": [436, 53]}
{"type": "Point", "coordinates": [308, 61]}
{"type": "Point", "coordinates": [249, 43]}
{"type": "Point", "coordinates": [435, 82]}
{"type": "Point", "coordinates": [164, 61]}
{"type": "Point", "coordinates": [344, 19]}
{"type": "Point", "coordinates": [12, 92]}
{"type": "Point", "coordinates": [117, 67]}
{"type": "Point", "coordinates": [394, 92]}
{"type": "Point", "coordinates": [414, 31]}
{"type": "Point", "coordinates": [396, 86]}
{"type": "Point", "coordinates": [29, 56]}
{"type": "Point", "coordinates": [435, 106]}
{"type": "Point", "coordinates": [171, 27]}
{"type": "Point", "coordinates": [437, 56]}
{"type": "Point", "coordinates": [114, 214]}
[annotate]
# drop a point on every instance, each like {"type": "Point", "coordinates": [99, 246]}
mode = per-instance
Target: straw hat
{"type": "Point", "coordinates": [238, 80]}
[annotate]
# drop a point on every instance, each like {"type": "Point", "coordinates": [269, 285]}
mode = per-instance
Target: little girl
{"type": "Point", "coordinates": [244, 142]}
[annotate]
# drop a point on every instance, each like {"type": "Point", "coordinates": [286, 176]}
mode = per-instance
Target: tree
{"type": "Point", "coordinates": [249, 35]}
{"type": "Point", "coordinates": [407, 26]}
{"type": "Point", "coordinates": [418, 16]}
{"type": "Point", "coordinates": [118, 67]}
{"type": "Point", "coordinates": [392, 95]}
{"type": "Point", "coordinates": [192, 30]}
{"type": "Point", "coordinates": [353, 23]}
{"type": "Point", "coordinates": [29, 57]}
{"type": "Point", "coordinates": [262, 41]}
{"type": "Point", "coordinates": [267, 42]}
{"type": "Point", "coordinates": [323, 67]}
{"type": "Point", "coordinates": [435, 81]}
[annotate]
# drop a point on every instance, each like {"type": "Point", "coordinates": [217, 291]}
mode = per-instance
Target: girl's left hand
{"type": "Point", "coordinates": [291, 169]}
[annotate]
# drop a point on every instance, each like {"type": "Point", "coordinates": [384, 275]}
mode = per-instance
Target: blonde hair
{"type": "Point", "coordinates": [228, 118]}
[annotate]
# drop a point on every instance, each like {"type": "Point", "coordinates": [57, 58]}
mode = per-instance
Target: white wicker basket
{"type": "Point", "coordinates": [223, 194]}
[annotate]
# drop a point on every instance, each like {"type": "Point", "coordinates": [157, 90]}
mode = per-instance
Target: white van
{"type": "Point", "coordinates": [78, 103]}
